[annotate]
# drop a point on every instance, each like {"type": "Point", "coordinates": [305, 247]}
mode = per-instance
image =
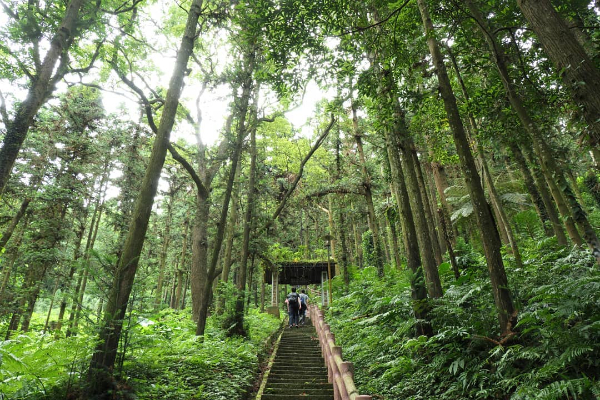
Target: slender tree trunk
{"type": "Point", "coordinates": [507, 314]}
{"type": "Point", "coordinates": [433, 205]}
{"type": "Point", "coordinates": [164, 250]}
{"type": "Point", "coordinates": [231, 228]}
{"type": "Point", "coordinates": [590, 97]}
{"type": "Point", "coordinates": [578, 72]}
{"type": "Point", "coordinates": [502, 218]}
{"type": "Point", "coordinates": [238, 328]}
{"type": "Point", "coordinates": [358, 259]}
{"type": "Point", "coordinates": [180, 269]}
{"type": "Point", "coordinates": [545, 214]}
{"type": "Point", "coordinates": [420, 303]}
{"type": "Point", "coordinates": [11, 256]}
{"type": "Point", "coordinates": [417, 205]}
{"type": "Point", "coordinates": [368, 194]}
{"type": "Point", "coordinates": [51, 306]}
{"type": "Point", "coordinates": [39, 91]}
{"type": "Point", "coordinates": [441, 184]}
{"type": "Point", "coordinates": [104, 357]}
{"type": "Point", "coordinates": [435, 244]}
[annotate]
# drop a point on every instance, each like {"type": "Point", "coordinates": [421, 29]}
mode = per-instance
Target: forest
{"type": "Point", "coordinates": [160, 158]}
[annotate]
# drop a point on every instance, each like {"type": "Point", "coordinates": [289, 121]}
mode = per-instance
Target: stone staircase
{"type": "Point", "coordinates": [298, 371]}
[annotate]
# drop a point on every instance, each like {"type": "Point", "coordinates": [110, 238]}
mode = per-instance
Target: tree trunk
{"type": "Point", "coordinates": [441, 184]}
{"type": "Point", "coordinates": [554, 175]}
{"type": "Point", "coordinates": [104, 357]}
{"type": "Point", "coordinates": [231, 227]}
{"type": "Point", "coordinates": [164, 250]}
{"type": "Point", "coordinates": [546, 214]}
{"type": "Point", "coordinates": [502, 218]}
{"type": "Point", "coordinates": [38, 93]}
{"type": "Point", "coordinates": [368, 195]}
{"type": "Point", "coordinates": [417, 205]}
{"type": "Point", "coordinates": [578, 72]}
{"type": "Point", "coordinates": [507, 314]}
{"type": "Point", "coordinates": [435, 244]}
{"type": "Point", "coordinates": [238, 328]}
{"type": "Point", "coordinates": [433, 204]}
{"type": "Point", "coordinates": [180, 269]}
{"type": "Point", "coordinates": [358, 254]}
{"type": "Point", "coordinates": [11, 256]}
{"type": "Point", "coordinates": [420, 304]}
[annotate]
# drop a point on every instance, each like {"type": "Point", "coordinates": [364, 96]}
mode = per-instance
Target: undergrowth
{"type": "Point", "coordinates": [164, 359]}
{"type": "Point", "coordinates": [555, 353]}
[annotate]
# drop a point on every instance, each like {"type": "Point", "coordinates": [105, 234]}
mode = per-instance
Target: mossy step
{"type": "Point", "coordinates": [296, 376]}
{"type": "Point", "coordinates": [302, 360]}
{"type": "Point", "coordinates": [286, 357]}
{"type": "Point", "coordinates": [300, 391]}
{"type": "Point", "coordinates": [306, 384]}
{"type": "Point", "coordinates": [296, 380]}
{"type": "Point", "coordinates": [295, 397]}
{"type": "Point", "coordinates": [307, 368]}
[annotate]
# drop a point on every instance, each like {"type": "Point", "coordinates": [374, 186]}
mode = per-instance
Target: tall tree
{"type": "Point", "coordinates": [579, 74]}
{"type": "Point", "coordinates": [507, 314]}
{"type": "Point", "coordinates": [105, 355]}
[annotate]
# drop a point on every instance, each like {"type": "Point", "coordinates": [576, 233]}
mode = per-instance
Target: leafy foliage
{"type": "Point", "coordinates": [165, 359]}
{"type": "Point", "coordinates": [553, 355]}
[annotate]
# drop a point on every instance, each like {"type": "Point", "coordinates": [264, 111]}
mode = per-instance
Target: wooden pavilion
{"type": "Point", "coordinates": [298, 273]}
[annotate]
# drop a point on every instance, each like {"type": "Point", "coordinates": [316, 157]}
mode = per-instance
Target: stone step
{"type": "Point", "coordinates": [298, 371]}
{"type": "Point", "coordinates": [291, 391]}
{"type": "Point", "coordinates": [299, 359]}
{"type": "Point", "coordinates": [317, 377]}
{"type": "Point", "coordinates": [295, 397]}
{"type": "Point", "coordinates": [298, 380]}
{"type": "Point", "coordinates": [306, 385]}
{"type": "Point", "coordinates": [305, 368]}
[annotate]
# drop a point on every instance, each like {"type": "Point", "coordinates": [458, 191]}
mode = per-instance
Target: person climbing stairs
{"type": "Point", "coordinates": [298, 371]}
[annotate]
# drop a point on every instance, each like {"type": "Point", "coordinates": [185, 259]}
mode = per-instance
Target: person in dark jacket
{"type": "Point", "coordinates": [293, 304]}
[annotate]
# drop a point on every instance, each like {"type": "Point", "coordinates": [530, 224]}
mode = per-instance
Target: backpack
{"type": "Point", "coordinates": [303, 298]}
{"type": "Point", "coordinates": [293, 299]}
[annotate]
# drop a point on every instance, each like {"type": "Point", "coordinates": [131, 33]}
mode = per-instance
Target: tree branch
{"type": "Point", "coordinates": [202, 192]}
{"type": "Point", "coordinates": [383, 21]}
{"type": "Point", "coordinates": [291, 189]}
{"type": "Point", "coordinates": [85, 70]}
{"type": "Point", "coordinates": [337, 190]}
{"type": "Point", "coordinates": [3, 112]}
{"type": "Point", "coordinates": [22, 66]}
{"type": "Point", "coordinates": [140, 93]}
{"type": "Point", "coordinates": [8, 11]}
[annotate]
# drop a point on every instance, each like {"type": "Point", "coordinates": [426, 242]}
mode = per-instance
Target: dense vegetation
{"type": "Point", "coordinates": [153, 173]}
{"type": "Point", "coordinates": [553, 355]}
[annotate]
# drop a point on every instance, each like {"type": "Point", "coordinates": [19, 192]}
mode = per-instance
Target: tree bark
{"type": "Point", "coordinates": [420, 303]}
{"type": "Point", "coordinates": [546, 214]}
{"type": "Point", "coordinates": [554, 175]}
{"type": "Point", "coordinates": [238, 328]}
{"type": "Point", "coordinates": [368, 194]}
{"type": "Point", "coordinates": [231, 227]}
{"type": "Point", "coordinates": [435, 244]}
{"type": "Point", "coordinates": [164, 250]}
{"type": "Point", "coordinates": [104, 357]}
{"type": "Point", "coordinates": [39, 91]}
{"type": "Point", "coordinates": [507, 314]}
{"type": "Point", "coordinates": [417, 205]}
{"type": "Point", "coordinates": [180, 269]}
{"type": "Point", "coordinates": [577, 70]}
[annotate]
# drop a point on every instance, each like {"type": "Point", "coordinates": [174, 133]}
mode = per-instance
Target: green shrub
{"type": "Point", "coordinates": [555, 353]}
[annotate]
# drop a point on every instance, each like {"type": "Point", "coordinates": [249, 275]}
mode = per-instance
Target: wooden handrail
{"type": "Point", "coordinates": [339, 372]}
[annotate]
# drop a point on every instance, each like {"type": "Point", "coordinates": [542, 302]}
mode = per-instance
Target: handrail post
{"type": "Point", "coordinates": [340, 373]}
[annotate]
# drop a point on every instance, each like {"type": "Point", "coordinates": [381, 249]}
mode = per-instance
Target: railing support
{"type": "Point", "coordinates": [339, 372]}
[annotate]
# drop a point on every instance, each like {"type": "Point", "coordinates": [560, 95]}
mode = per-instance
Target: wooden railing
{"type": "Point", "coordinates": [339, 372]}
